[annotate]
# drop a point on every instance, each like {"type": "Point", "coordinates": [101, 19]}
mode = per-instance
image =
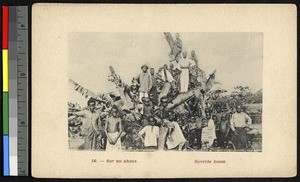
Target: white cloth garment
{"type": "Point", "coordinates": [209, 133]}
{"type": "Point", "coordinates": [176, 135]}
{"type": "Point", "coordinates": [117, 146]}
{"type": "Point", "coordinates": [183, 65]}
{"type": "Point", "coordinates": [240, 120]}
{"type": "Point", "coordinates": [151, 135]}
{"type": "Point", "coordinates": [166, 75]}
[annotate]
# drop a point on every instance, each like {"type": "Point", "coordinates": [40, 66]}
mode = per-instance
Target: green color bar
{"type": "Point", "coordinates": [5, 113]}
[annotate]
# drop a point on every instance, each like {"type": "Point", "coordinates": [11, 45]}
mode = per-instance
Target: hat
{"type": "Point", "coordinates": [144, 66]}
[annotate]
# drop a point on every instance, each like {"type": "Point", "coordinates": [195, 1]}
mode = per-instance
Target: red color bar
{"type": "Point", "coordinates": [4, 27]}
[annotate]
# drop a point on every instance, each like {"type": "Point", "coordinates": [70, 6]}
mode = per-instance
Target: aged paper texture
{"type": "Point", "coordinates": [163, 91]}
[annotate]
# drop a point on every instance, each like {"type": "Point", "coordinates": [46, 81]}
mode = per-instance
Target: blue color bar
{"type": "Point", "coordinates": [6, 155]}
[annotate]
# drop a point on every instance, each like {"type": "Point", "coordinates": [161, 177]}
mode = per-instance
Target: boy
{"type": "Point", "coordinates": [150, 133]}
{"type": "Point", "coordinates": [113, 130]}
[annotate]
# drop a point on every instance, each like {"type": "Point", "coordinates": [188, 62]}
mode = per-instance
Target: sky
{"type": "Point", "coordinates": [237, 57]}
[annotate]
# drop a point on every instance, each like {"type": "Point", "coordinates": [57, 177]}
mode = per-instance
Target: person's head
{"type": "Point", "coordinates": [151, 96]}
{"type": "Point", "coordinates": [223, 117]}
{"type": "Point", "coordinates": [216, 143]}
{"type": "Point", "coordinates": [143, 99]}
{"type": "Point", "coordinates": [238, 108]}
{"type": "Point", "coordinates": [152, 71]}
{"type": "Point", "coordinates": [165, 66]}
{"type": "Point", "coordinates": [164, 101]}
{"type": "Point", "coordinates": [193, 119]}
{"type": "Point", "coordinates": [144, 121]}
{"type": "Point", "coordinates": [177, 35]}
{"type": "Point", "coordinates": [171, 66]}
{"type": "Point", "coordinates": [184, 54]}
{"type": "Point", "coordinates": [144, 68]}
{"type": "Point", "coordinates": [214, 117]}
{"type": "Point", "coordinates": [91, 104]}
{"type": "Point", "coordinates": [171, 115]}
{"type": "Point", "coordinates": [208, 113]}
{"type": "Point", "coordinates": [146, 101]}
{"type": "Point", "coordinates": [133, 88]}
{"type": "Point", "coordinates": [218, 108]}
{"type": "Point", "coordinates": [114, 111]}
{"type": "Point", "coordinates": [152, 120]}
{"type": "Point", "coordinates": [193, 53]}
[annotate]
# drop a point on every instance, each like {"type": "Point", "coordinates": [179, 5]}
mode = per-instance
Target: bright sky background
{"type": "Point", "coordinates": [237, 57]}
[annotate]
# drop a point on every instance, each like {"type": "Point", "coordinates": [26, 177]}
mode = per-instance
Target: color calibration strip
{"type": "Point", "coordinates": [6, 166]}
{"type": "Point", "coordinates": [15, 90]}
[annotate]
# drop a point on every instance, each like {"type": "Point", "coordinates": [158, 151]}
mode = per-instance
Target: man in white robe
{"type": "Point", "coordinates": [183, 65]}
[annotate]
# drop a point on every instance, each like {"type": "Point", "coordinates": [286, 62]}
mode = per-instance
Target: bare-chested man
{"type": "Point", "coordinates": [113, 130]}
{"type": "Point", "coordinates": [90, 128]}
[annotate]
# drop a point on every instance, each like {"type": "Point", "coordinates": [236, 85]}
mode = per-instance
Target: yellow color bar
{"type": "Point", "coordinates": [5, 69]}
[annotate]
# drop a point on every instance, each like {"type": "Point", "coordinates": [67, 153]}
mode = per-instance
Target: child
{"type": "Point", "coordinates": [224, 130]}
{"type": "Point", "coordinates": [151, 133]}
{"type": "Point", "coordinates": [208, 130]}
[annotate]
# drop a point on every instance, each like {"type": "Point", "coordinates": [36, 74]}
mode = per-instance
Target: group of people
{"type": "Point", "coordinates": [150, 124]}
{"type": "Point", "coordinates": [115, 130]}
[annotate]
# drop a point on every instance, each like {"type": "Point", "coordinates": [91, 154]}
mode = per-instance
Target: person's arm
{"type": "Point", "coordinates": [227, 129]}
{"type": "Point", "coordinates": [248, 119]}
{"type": "Point", "coordinates": [78, 113]}
{"type": "Point", "coordinates": [150, 83]}
{"type": "Point", "coordinates": [106, 132]}
{"type": "Point", "coordinates": [170, 77]}
{"type": "Point", "coordinates": [136, 79]}
{"type": "Point", "coordinates": [232, 123]}
{"type": "Point", "coordinates": [95, 125]}
{"type": "Point", "coordinates": [179, 43]}
{"type": "Point", "coordinates": [170, 131]}
{"type": "Point", "coordinates": [192, 63]}
{"type": "Point", "coordinates": [179, 66]}
{"type": "Point", "coordinates": [70, 118]}
{"type": "Point", "coordinates": [120, 131]}
{"type": "Point", "coordinates": [141, 133]}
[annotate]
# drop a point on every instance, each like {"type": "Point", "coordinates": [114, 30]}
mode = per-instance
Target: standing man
{"type": "Point", "coordinates": [153, 91]}
{"type": "Point", "coordinates": [184, 65]}
{"type": "Point", "coordinates": [145, 81]}
{"type": "Point", "coordinates": [113, 130]}
{"type": "Point", "coordinates": [90, 128]}
{"type": "Point", "coordinates": [178, 48]}
{"type": "Point", "coordinates": [238, 121]}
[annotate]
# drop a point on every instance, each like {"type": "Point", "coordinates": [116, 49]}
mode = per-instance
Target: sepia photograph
{"type": "Point", "coordinates": [165, 91]}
